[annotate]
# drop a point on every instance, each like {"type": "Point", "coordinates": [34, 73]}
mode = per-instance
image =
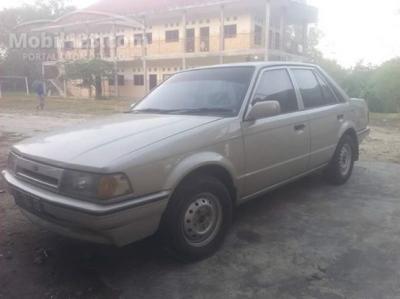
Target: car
{"type": "Point", "coordinates": [178, 163]}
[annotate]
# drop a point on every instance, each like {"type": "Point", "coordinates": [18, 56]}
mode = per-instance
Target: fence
{"type": "Point", "coordinates": [14, 85]}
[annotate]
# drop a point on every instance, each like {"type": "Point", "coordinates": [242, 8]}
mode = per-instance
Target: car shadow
{"type": "Point", "coordinates": [100, 268]}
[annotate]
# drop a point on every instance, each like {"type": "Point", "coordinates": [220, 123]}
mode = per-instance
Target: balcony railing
{"type": "Point", "coordinates": [197, 46]}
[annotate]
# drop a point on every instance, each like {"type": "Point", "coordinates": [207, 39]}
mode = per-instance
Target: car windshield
{"type": "Point", "coordinates": [215, 91]}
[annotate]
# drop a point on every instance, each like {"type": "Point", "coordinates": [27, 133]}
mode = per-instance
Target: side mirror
{"type": "Point", "coordinates": [265, 109]}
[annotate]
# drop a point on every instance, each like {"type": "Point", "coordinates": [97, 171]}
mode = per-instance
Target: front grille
{"type": "Point", "coordinates": [37, 178]}
{"type": "Point", "coordinates": [38, 174]}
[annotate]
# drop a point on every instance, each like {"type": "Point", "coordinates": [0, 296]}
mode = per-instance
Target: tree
{"type": "Point", "coordinates": [385, 85]}
{"type": "Point", "coordinates": [13, 61]}
{"type": "Point", "coordinates": [90, 73]}
{"type": "Point", "coordinates": [312, 52]}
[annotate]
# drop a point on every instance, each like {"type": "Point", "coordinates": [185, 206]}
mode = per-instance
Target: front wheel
{"type": "Point", "coordinates": [341, 167]}
{"type": "Point", "coordinates": [197, 218]}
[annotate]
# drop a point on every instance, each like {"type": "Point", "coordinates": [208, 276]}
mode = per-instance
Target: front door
{"type": "Point", "coordinates": [152, 81]}
{"type": "Point", "coordinates": [277, 147]}
{"type": "Point", "coordinates": [190, 40]}
{"type": "Point", "coordinates": [205, 39]}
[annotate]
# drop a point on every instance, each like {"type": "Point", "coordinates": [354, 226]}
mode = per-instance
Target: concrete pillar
{"type": "Point", "coordinates": [115, 60]}
{"type": "Point", "coordinates": [266, 28]}
{"type": "Point", "coordinates": [305, 37]}
{"type": "Point", "coordinates": [63, 44]}
{"type": "Point", "coordinates": [222, 34]}
{"type": "Point", "coordinates": [43, 77]}
{"type": "Point", "coordinates": [89, 45]}
{"type": "Point", "coordinates": [283, 30]}
{"type": "Point", "coordinates": [184, 37]}
{"type": "Point", "coordinates": [27, 86]}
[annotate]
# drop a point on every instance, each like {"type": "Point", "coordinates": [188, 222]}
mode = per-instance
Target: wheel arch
{"type": "Point", "coordinates": [207, 164]}
{"type": "Point", "coordinates": [350, 131]}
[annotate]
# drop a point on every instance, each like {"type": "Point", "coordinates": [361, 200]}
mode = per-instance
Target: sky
{"type": "Point", "coordinates": [353, 30]}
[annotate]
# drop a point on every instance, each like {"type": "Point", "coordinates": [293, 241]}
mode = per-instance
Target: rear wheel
{"type": "Point", "coordinates": [197, 218]}
{"type": "Point", "coordinates": [341, 167]}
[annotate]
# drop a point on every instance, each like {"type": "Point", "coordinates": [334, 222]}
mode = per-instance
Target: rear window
{"type": "Point", "coordinates": [327, 92]}
{"type": "Point", "coordinates": [310, 89]}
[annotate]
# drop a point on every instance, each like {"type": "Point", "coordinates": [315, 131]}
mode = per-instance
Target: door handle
{"type": "Point", "coordinates": [340, 117]}
{"type": "Point", "coordinates": [299, 127]}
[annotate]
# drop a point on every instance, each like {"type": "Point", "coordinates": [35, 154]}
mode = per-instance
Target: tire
{"type": "Point", "coordinates": [197, 219]}
{"type": "Point", "coordinates": [341, 166]}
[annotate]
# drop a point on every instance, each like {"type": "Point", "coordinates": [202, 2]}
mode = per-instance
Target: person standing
{"type": "Point", "coordinates": [39, 89]}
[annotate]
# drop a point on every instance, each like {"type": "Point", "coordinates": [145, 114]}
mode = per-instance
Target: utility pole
{"type": "Point", "coordinates": [221, 34]}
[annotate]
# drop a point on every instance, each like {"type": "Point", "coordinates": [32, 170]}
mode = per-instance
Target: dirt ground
{"type": "Point", "coordinates": [38, 264]}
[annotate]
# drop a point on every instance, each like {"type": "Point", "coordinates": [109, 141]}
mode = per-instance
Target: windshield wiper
{"type": "Point", "coordinates": [185, 111]}
{"type": "Point", "coordinates": [153, 110]}
{"type": "Point", "coordinates": [205, 111]}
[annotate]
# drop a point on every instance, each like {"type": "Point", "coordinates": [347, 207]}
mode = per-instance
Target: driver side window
{"type": "Point", "coordinates": [275, 85]}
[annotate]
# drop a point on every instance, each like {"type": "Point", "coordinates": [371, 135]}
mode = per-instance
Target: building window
{"type": "Point", "coordinates": [230, 31]}
{"type": "Point", "coordinates": [149, 38]}
{"type": "Point", "coordinates": [86, 43]}
{"type": "Point", "coordinates": [69, 45]}
{"type": "Point", "coordinates": [138, 80]}
{"type": "Point", "coordinates": [257, 35]}
{"type": "Point", "coordinates": [277, 40]}
{"type": "Point", "coordinates": [137, 39]}
{"type": "Point", "coordinates": [120, 39]}
{"type": "Point", "coordinates": [121, 80]}
{"type": "Point", "coordinates": [171, 36]}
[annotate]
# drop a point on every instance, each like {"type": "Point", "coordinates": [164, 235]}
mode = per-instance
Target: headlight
{"type": "Point", "coordinates": [94, 186]}
{"type": "Point", "coordinates": [12, 163]}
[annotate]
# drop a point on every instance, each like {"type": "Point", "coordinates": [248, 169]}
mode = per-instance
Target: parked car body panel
{"type": "Point", "coordinates": [157, 152]}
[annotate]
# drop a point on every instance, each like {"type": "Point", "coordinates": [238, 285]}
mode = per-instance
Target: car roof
{"type": "Point", "coordinates": [259, 64]}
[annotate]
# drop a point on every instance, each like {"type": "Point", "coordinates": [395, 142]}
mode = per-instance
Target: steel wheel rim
{"type": "Point", "coordinates": [202, 220]}
{"type": "Point", "coordinates": [345, 159]}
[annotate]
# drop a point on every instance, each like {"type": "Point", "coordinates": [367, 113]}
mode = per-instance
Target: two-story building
{"type": "Point", "coordinates": [148, 40]}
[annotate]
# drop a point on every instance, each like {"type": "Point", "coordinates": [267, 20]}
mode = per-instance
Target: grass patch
{"type": "Point", "coordinates": [385, 119]}
{"type": "Point", "coordinates": [65, 105]}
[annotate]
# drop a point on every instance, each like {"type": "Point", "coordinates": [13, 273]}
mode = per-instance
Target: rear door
{"type": "Point", "coordinates": [326, 114]}
{"type": "Point", "coordinates": [276, 148]}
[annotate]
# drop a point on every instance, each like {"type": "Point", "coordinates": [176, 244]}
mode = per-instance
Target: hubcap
{"type": "Point", "coordinates": [202, 220]}
{"type": "Point", "coordinates": [345, 159]}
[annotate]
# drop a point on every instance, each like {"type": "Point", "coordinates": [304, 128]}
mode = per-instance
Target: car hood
{"type": "Point", "coordinates": [97, 143]}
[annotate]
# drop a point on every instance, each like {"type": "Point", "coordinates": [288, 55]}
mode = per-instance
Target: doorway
{"type": "Point", "coordinates": [152, 81]}
{"type": "Point", "coordinates": [205, 39]}
{"type": "Point", "coordinates": [190, 40]}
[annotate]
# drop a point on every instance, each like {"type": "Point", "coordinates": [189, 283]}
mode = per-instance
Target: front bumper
{"type": "Point", "coordinates": [119, 224]}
